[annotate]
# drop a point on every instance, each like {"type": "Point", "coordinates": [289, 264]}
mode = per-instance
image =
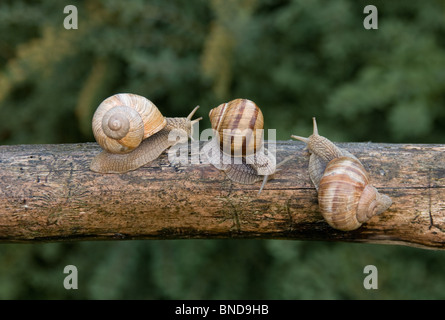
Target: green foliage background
{"type": "Point", "coordinates": [295, 59]}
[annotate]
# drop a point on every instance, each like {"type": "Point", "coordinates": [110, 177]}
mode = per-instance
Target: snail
{"type": "Point", "coordinates": [345, 196]}
{"type": "Point", "coordinates": [237, 147]}
{"type": "Point", "coordinates": [132, 132]}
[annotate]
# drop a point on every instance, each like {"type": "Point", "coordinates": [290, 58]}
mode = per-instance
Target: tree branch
{"type": "Point", "coordinates": [48, 193]}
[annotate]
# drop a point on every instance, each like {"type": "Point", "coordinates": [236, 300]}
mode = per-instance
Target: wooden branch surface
{"type": "Point", "coordinates": [48, 193]}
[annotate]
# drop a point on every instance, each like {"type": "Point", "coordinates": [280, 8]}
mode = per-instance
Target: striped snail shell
{"type": "Point", "coordinates": [236, 123]}
{"type": "Point", "coordinates": [122, 121]}
{"type": "Point", "coordinates": [238, 127]}
{"type": "Point", "coordinates": [345, 195]}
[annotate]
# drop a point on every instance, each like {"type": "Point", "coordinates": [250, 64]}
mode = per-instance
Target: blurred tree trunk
{"type": "Point", "coordinates": [48, 193]}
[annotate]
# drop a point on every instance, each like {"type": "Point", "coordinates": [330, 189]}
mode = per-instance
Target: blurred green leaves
{"type": "Point", "coordinates": [219, 269]}
{"type": "Point", "coordinates": [403, 80]}
{"type": "Point", "coordinates": [296, 59]}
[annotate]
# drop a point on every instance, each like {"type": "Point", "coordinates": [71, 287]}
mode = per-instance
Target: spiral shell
{"type": "Point", "coordinates": [236, 123]}
{"type": "Point", "coordinates": [123, 120]}
{"type": "Point", "coordinates": [345, 196]}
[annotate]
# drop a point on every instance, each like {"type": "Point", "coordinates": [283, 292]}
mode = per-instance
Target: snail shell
{"type": "Point", "coordinates": [122, 121]}
{"type": "Point", "coordinates": [345, 196]}
{"type": "Point", "coordinates": [237, 123]}
{"type": "Point", "coordinates": [134, 134]}
{"type": "Point", "coordinates": [238, 127]}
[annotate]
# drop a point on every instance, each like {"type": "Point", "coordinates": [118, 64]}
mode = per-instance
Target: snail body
{"type": "Point", "coordinates": [237, 147]}
{"type": "Point", "coordinates": [345, 196]}
{"type": "Point", "coordinates": [132, 132]}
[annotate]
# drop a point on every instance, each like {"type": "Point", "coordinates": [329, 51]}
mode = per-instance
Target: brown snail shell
{"type": "Point", "coordinates": [238, 127]}
{"type": "Point", "coordinates": [236, 123]}
{"type": "Point", "coordinates": [122, 121]}
{"type": "Point", "coordinates": [345, 196]}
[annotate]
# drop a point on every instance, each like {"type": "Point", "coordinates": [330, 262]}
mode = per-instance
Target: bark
{"type": "Point", "coordinates": [48, 193]}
